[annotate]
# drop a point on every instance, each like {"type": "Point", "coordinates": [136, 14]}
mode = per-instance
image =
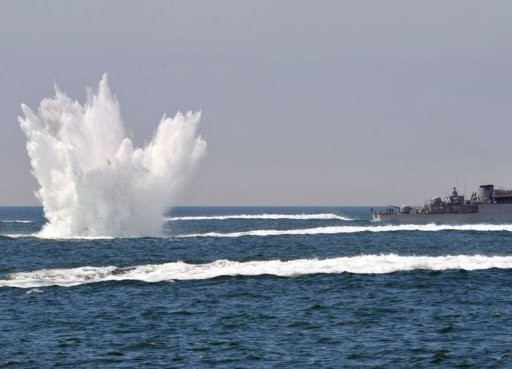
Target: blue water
{"type": "Point", "coordinates": [428, 315]}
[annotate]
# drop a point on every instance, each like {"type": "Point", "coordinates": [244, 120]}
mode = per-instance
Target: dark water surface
{"type": "Point", "coordinates": [207, 313]}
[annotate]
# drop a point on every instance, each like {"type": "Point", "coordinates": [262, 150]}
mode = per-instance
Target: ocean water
{"type": "Point", "coordinates": [257, 287]}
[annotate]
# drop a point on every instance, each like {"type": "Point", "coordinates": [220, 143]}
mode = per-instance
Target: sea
{"type": "Point", "coordinates": [257, 287]}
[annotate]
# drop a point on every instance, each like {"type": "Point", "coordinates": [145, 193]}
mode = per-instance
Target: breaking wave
{"type": "Point", "coordinates": [17, 221]}
{"type": "Point", "coordinates": [363, 264]}
{"type": "Point", "coordinates": [38, 235]}
{"type": "Point", "coordinates": [327, 216]}
{"type": "Point", "coordinates": [303, 232]}
{"type": "Point", "coordinates": [358, 229]}
{"type": "Point", "coordinates": [19, 235]}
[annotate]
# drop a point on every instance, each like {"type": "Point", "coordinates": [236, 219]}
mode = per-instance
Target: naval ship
{"type": "Point", "coordinates": [488, 204]}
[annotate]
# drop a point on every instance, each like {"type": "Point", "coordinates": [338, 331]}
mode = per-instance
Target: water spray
{"type": "Point", "coordinates": [93, 181]}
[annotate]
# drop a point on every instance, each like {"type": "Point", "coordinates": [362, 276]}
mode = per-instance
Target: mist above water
{"type": "Point", "coordinates": [93, 181]}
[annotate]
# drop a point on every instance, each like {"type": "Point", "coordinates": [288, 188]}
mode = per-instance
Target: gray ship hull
{"type": "Point", "coordinates": [487, 213]}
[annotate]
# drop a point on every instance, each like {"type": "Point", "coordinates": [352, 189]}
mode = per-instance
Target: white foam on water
{"type": "Point", "coordinates": [305, 231]}
{"type": "Point", "coordinates": [93, 181]}
{"type": "Point", "coordinates": [358, 229]}
{"type": "Point", "coordinates": [38, 235]}
{"type": "Point", "coordinates": [327, 216]}
{"type": "Point", "coordinates": [362, 264]}
{"type": "Point", "coordinates": [16, 221]}
{"type": "Point", "coordinates": [34, 290]}
{"type": "Point", "coordinates": [18, 235]}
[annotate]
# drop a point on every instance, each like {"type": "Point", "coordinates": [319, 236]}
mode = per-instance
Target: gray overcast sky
{"type": "Point", "coordinates": [304, 102]}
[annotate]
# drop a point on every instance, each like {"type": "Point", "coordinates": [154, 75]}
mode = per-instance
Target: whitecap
{"type": "Point", "coordinates": [323, 216]}
{"type": "Point", "coordinates": [361, 264]}
{"type": "Point", "coordinates": [357, 229]}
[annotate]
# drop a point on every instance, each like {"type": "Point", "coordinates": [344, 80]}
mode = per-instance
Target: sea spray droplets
{"type": "Point", "coordinates": [93, 182]}
{"type": "Point", "coordinates": [362, 264]}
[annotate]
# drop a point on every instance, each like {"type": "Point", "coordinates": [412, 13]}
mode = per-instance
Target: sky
{"type": "Point", "coordinates": [303, 102]}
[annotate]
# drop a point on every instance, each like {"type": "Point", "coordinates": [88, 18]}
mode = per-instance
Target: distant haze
{"type": "Point", "coordinates": [303, 102]}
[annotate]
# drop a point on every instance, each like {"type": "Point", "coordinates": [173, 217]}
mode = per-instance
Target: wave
{"type": "Point", "coordinates": [327, 216]}
{"type": "Point", "coordinates": [303, 232]}
{"type": "Point", "coordinates": [359, 229]}
{"type": "Point", "coordinates": [43, 237]}
{"type": "Point", "coordinates": [362, 264]}
{"type": "Point", "coordinates": [16, 221]}
{"type": "Point", "coordinates": [18, 235]}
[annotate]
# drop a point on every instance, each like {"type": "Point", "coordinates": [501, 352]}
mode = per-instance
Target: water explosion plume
{"type": "Point", "coordinates": [93, 181]}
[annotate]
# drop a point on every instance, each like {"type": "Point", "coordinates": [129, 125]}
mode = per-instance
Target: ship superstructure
{"type": "Point", "coordinates": [488, 204]}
